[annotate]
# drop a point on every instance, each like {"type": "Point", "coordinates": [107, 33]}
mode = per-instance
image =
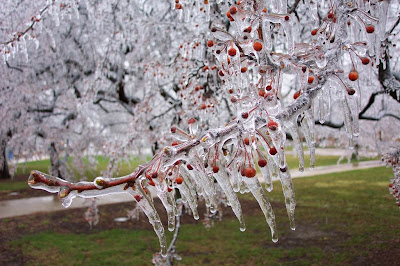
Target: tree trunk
{"type": "Point", "coordinates": [55, 162]}
{"type": "Point", "coordinates": [4, 171]}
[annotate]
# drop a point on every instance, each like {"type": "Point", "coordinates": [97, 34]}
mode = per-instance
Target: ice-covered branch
{"type": "Point", "coordinates": [392, 159]}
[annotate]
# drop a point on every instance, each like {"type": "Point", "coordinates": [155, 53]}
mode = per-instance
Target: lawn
{"type": "Point", "coordinates": [343, 218]}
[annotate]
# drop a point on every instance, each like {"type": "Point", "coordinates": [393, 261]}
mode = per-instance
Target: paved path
{"type": "Point", "coordinates": [12, 208]}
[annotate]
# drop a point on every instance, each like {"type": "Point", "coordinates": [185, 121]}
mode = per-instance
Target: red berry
{"type": "Point", "coordinates": [210, 43]}
{"type": "Point", "coordinates": [272, 151]}
{"type": "Point", "coordinates": [191, 121]}
{"type": "Point", "coordinates": [221, 73]}
{"type": "Point", "coordinates": [233, 10]}
{"type": "Point", "coordinates": [228, 14]}
{"type": "Point", "coordinates": [246, 141]}
{"type": "Point", "coordinates": [178, 6]}
{"type": "Point", "coordinates": [179, 180]}
{"type": "Point", "coordinates": [215, 169]}
{"type": "Point", "coordinates": [272, 125]}
{"type": "Point", "coordinates": [190, 167]}
{"type": "Point", "coordinates": [261, 92]}
{"type": "Point", "coordinates": [353, 75]}
{"type": "Point", "coordinates": [296, 94]}
{"type": "Point", "coordinates": [245, 115]}
{"type": "Point", "coordinates": [314, 32]}
{"type": "Point", "coordinates": [330, 15]}
{"type": "Point", "coordinates": [154, 175]}
{"type": "Point", "coordinates": [351, 91]}
{"type": "Point", "coordinates": [262, 163]}
{"type": "Point", "coordinates": [138, 198]}
{"type": "Point", "coordinates": [232, 51]}
{"type": "Point", "coordinates": [310, 79]}
{"type": "Point", "coordinates": [173, 129]}
{"type": "Point", "coordinates": [268, 88]}
{"type": "Point", "coordinates": [250, 172]}
{"type": "Point", "coordinates": [248, 29]}
{"type": "Point", "coordinates": [390, 185]}
{"type": "Point", "coordinates": [370, 28]}
{"type": "Point", "coordinates": [243, 69]}
{"type": "Point", "coordinates": [365, 60]}
{"type": "Point", "coordinates": [287, 18]}
{"type": "Point", "coordinates": [151, 182]}
{"type": "Point", "coordinates": [169, 189]}
{"type": "Point", "coordinates": [257, 46]}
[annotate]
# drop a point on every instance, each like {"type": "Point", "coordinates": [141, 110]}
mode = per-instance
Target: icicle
{"type": "Point", "coordinates": [267, 35]}
{"type": "Point", "coordinates": [187, 191]}
{"type": "Point", "coordinates": [207, 185]}
{"type": "Point", "coordinates": [207, 9]}
{"type": "Point", "coordinates": [223, 180]}
{"type": "Point", "coordinates": [347, 121]}
{"type": "Point", "coordinates": [235, 177]}
{"type": "Point", "coordinates": [151, 213]}
{"type": "Point", "coordinates": [311, 145]}
{"type": "Point", "coordinates": [354, 111]}
{"type": "Point", "coordinates": [288, 192]}
{"type": "Point", "coordinates": [168, 203]}
{"type": "Point", "coordinates": [321, 107]}
{"type": "Point", "coordinates": [265, 206]}
{"type": "Point", "coordinates": [288, 28]}
{"type": "Point", "coordinates": [294, 131]}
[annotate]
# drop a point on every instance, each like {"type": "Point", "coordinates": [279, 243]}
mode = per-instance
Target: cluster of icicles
{"type": "Point", "coordinates": [196, 163]}
{"type": "Point", "coordinates": [195, 167]}
{"type": "Point", "coordinates": [393, 160]}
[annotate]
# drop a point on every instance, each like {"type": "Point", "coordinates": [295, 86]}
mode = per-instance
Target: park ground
{"type": "Point", "coordinates": [342, 218]}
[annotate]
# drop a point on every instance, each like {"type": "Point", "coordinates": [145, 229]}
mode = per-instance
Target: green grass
{"type": "Point", "coordinates": [13, 186]}
{"type": "Point", "coordinates": [320, 160]}
{"type": "Point", "coordinates": [341, 217]}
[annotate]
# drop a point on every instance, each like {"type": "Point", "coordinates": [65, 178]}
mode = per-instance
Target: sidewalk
{"type": "Point", "coordinates": [12, 208]}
